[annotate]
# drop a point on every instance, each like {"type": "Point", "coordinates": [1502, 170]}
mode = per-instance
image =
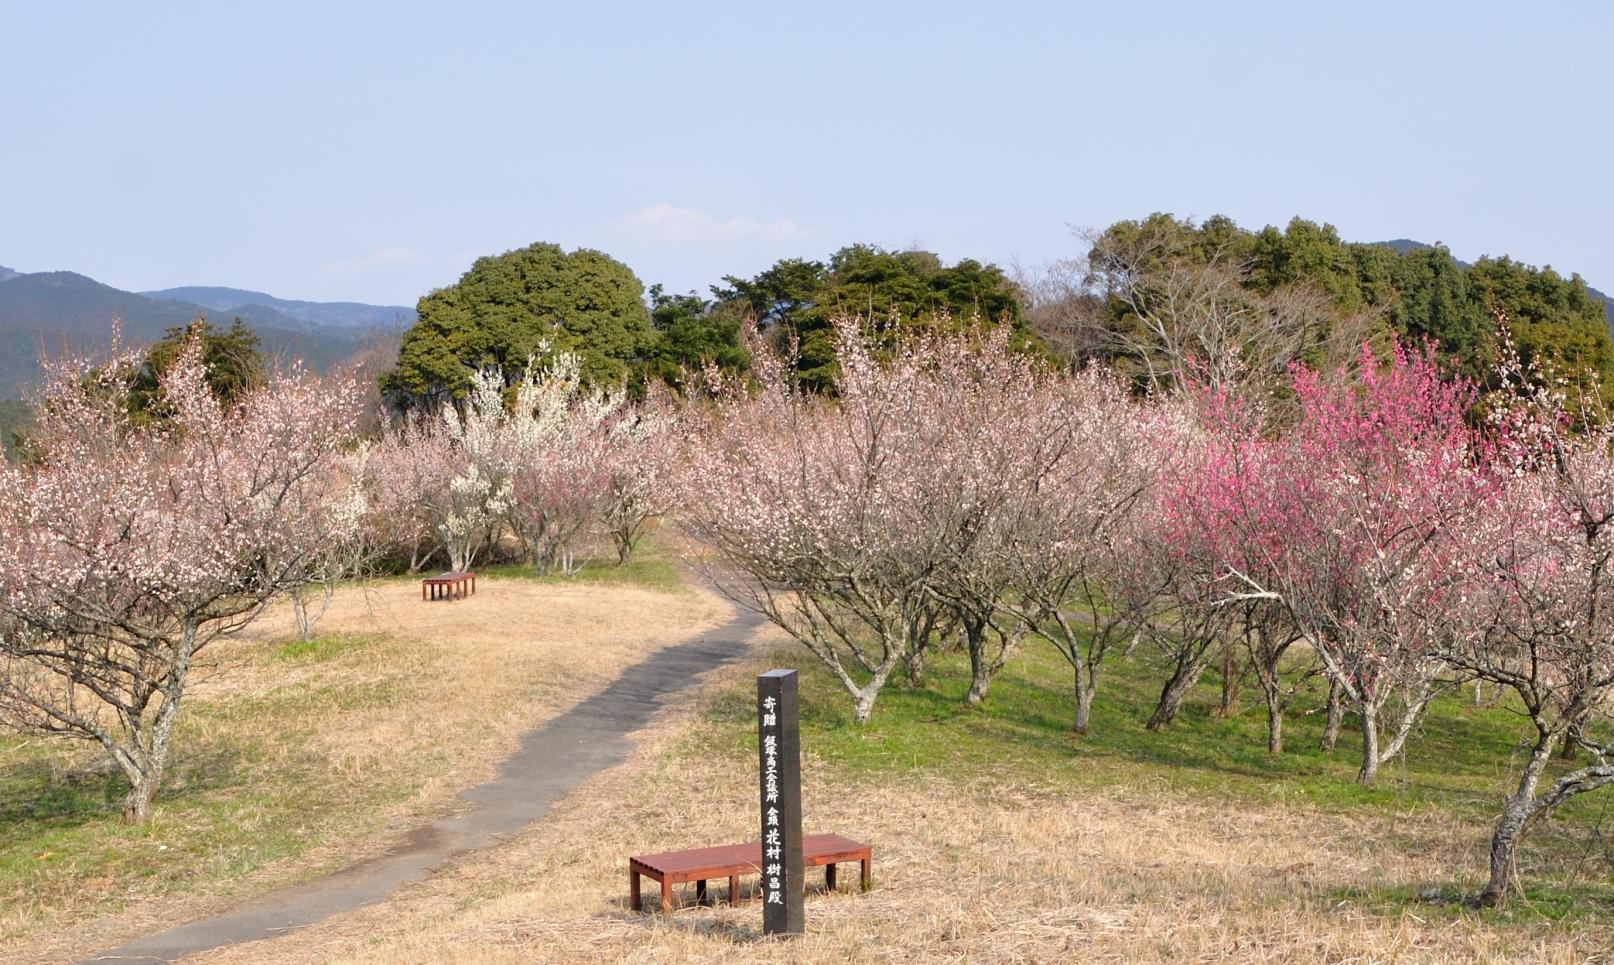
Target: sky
{"type": "Point", "coordinates": [371, 151]}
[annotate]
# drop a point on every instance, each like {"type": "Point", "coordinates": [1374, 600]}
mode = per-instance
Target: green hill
{"type": "Point", "coordinates": [49, 313]}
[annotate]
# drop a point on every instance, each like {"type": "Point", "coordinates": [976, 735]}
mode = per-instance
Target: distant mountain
{"type": "Point", "coordinates": [1404, 245]}
{"type": "Point", "coordinates": [61, 311]}
{"type": "Point", "coordinates": [6, 273]}
{"type": "Point", "coordinates": [340, 314]}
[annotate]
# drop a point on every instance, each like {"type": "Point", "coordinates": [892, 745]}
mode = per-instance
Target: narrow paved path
{"type": "Point", "coordinates": [554, 758]}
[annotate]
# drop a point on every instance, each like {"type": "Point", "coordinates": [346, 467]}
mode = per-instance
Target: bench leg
{"type": "Point", "coordinates": [633, 889]}
{"type": "Point", "coordinates": [829, 876]}
{"type": "Point", "coordinates": [734, 889]}
{"type": "Point", "coordinates": [700, 892]}
{"type": "Point", "coordinates": [868, 873]}
{"type": "Point", "coordinates": [666, 895]}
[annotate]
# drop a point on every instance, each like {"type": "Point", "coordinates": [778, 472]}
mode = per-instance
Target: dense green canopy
{"type": "Point", "coordinates": [502, 311]}
{"type": "Point", "coordinates": [693, 332]}
{"type": "Point", "coordinates": [1415, 290]}
{"type": "Point", "coordinates": [801, 298]}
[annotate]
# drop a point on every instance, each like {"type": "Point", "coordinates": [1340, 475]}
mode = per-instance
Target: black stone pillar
{"type": "Point", "coordinates": [779, 753]}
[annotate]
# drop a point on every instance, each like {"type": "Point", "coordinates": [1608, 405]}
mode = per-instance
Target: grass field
{"type": "Point", "coordinates": [999, 836]}
{"type": "Point", "coordinates": [295, 757]}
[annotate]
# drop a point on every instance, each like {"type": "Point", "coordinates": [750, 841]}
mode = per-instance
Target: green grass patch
{"type": "Point", "coordinates": [1023, 733]}
{"type": "Point", "coordinates": [322, 648]}
{"type": "Point", "coordinates": [650, 567]}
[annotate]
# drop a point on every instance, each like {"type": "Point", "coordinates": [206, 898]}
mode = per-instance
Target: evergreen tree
{"type": "Point", "coordinates": [502, 311]}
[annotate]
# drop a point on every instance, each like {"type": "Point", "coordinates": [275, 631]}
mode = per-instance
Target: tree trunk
{"type": "Point", "coordinates": [1232, 680]}
{"type": "Point", "coordinates": [146, 774]}
{"type": "Point", "coordinates": [1510, 825]}
{"type": "Point", "coordinates": [1336, 717]}
{"type": "Point", "coordinates": [308, 612]}
{"type": "Point", "coordinates": [1571, 742]}
{"type": "Point", "coordinates": [1370, 745]}
{"type": "Point", "coordinates": [1274, 723]}
{"type": "Point", "coordinates": [981, 669]}
{"type": "Point", "coordinates": [1183, 678]}
{"type": "Point", "coordinates": [916, 663]}
{"type": "Point", "coordinates": [1085, 688]}
{"type": "Point", "coordinates": [137, 803]}
{"type": "Point", "coordinates": [980, 679]}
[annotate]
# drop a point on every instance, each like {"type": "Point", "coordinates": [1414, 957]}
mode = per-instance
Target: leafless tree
{"type": "Point", "coordinates": [1181, 311]}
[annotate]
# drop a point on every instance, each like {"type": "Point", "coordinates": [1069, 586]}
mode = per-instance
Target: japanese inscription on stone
{"type": "Point", "coordinates": [779, 750]}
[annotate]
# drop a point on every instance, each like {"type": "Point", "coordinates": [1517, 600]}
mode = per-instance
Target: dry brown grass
{"type": "Point", "coordinates": [984, 873]}
{"type": "Point", "coordinates": [391, 730]}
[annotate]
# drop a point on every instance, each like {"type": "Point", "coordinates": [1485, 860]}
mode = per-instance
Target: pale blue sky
{"type": "Point", "coordinates": [371, 150]}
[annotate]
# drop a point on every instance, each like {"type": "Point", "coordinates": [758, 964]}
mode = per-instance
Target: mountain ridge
{"type": "Point", "coordinates": [342, 314]}
{"type": "Point", "coordinates": [63, 312]}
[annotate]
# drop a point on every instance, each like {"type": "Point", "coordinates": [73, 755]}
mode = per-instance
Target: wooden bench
{"type": "Point", "coordinates": [448, 585]}
{"type": "Point", "coordinates": [730, 861]}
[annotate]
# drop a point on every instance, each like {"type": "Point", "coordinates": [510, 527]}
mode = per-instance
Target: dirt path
{"type": "Point", "coordinates": [554, 758]}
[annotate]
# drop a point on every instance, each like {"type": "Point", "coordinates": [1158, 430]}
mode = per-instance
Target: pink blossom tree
{"type": "Point", "coordinates": [815, 511]}
{"type": "Point", "coordinates": [1537, 610]}
{"type": "Point", "coordinates": [542, 464]}
{"type": "Point", "coordinates": [1227, 511]}
{"type": "Point", "coordinates": [993, 437]}
{"type": "Point", "coordinates": [1078, 577]}
{"type": "Point", "coordinates": [1346, 521]}
{"type": "Point", "coordinates": [558, 442]}
{"type": "Point", "coordinates": [407, 474]}
{"type": "Point", "coordinates": [126, 549]}
{"type": "Point", "coordinates": [641, 457]}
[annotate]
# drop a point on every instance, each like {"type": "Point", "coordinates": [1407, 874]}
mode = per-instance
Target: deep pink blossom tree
{"type": "Point", "coordinates": [127, 548]}
{"type": "Point", "coordinates": [1228, 512]}
{"type": "Point", "coordinates": [1345, 521]}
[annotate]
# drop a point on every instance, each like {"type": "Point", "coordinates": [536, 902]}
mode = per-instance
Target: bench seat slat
{"type": "Point", "coordinates": [817, 849]}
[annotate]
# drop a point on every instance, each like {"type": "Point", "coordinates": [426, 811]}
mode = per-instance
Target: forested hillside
{"type": "Point", "coordinates": [61, 311]}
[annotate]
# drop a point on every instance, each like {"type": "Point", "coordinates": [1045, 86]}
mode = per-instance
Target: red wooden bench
{"type": "Point", "coordinates": [449, 585]}
{"type": "Point", "coordinates": [731, 861]}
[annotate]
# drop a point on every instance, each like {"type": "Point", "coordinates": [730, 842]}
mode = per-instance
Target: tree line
{"type": "Point", "coordinates": [1147, 297]}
